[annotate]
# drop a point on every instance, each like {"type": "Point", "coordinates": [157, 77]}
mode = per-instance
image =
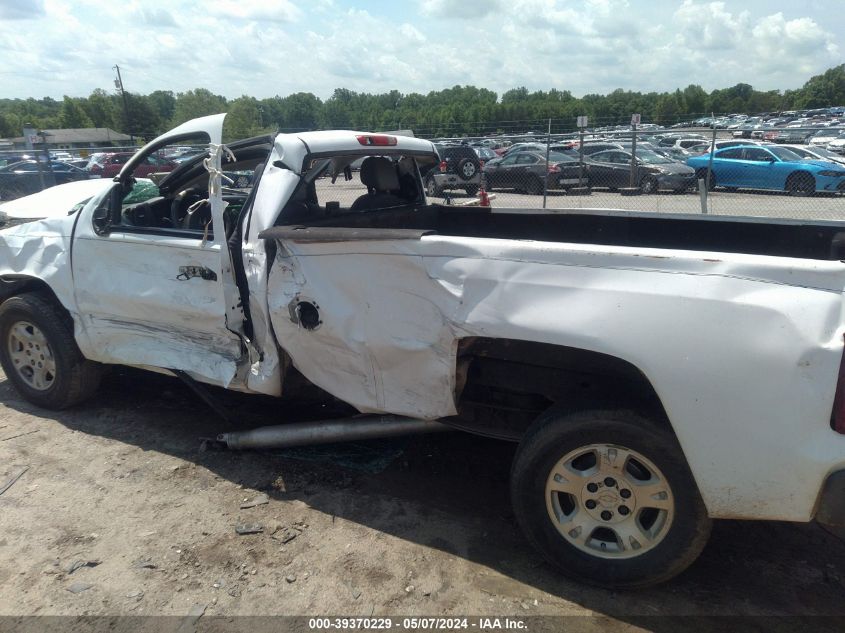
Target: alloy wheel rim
{"type": "Point", "coordinates": [31, 355]}
{"type": "Point", "coordinates": [609, 501]}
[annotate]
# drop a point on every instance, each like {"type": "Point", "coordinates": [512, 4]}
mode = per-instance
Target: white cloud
{"type": "Point", "coordinates": [157, 17]}
{"type": "Point", "coordinates": [21, 9]}
{"type": "Point", "coordinates": [266, 48]}
{"type": "Point", "coordinates": [273, 11]}
{"type": "Point", "coordinates": [460, 9]}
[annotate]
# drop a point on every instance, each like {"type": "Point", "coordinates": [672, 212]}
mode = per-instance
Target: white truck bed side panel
{"type": "Point", "coordinates": [732, 349]}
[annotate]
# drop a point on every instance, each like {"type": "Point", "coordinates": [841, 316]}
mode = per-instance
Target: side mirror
{"type": "Point", "coordinates": [104, 216]}
{"type": "Point", "coordinates": [101, 219]}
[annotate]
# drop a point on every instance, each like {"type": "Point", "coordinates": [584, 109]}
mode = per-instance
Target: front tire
{"type": "Point", "coordinates": [801, 184]}
{"type": "Point", "coordinates": [649, 185]}
{"type": "Point", "coordinates": [39, 354]}
{"type": "Point", "coordinates": [607, 497]}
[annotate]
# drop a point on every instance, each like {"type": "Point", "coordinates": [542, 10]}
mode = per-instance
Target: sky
{"type": "Point", "coordinates": [264, 48]}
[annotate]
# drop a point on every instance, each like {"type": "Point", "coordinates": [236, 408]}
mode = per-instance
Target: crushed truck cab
{"type": "Point", "coordinates": [657, 370]}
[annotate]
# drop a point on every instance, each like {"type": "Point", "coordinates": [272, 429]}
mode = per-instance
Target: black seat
{"type": "Point", "coordinates": [382, 181]}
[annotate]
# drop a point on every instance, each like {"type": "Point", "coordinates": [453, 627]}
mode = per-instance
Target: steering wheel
{"type": "Point", "coordinates": [182, 218]}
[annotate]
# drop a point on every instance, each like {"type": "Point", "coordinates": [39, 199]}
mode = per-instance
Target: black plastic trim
{"type": "Point", "coordinates": [831, 507]}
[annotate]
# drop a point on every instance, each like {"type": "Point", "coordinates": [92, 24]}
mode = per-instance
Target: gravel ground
{"type": "Point", "coordinates": [121, 513]}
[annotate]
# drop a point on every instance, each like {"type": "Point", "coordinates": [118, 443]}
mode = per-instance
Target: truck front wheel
{"type": "Point", "coordinates": [608, 498]}
{"type": "Point", "coordinates": [39, 354]}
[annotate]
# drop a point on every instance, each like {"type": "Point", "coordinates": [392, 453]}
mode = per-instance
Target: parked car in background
{"type": "Point", "coordinates": [612, 168]}
{"type": "Point", "coordinates": [675, 153]}
{"type": "Point", "coordinates": [185, 153]}
{"type": "Point", "coordinates": [748, 128]}
{"type": "Point", "coordinates": [721, 144]}
{"type": "Point", "coordinates": [600, 146]}
{"type": "Point", "coordinates": [82, 163]}
{"type": "Point", "coordinates": [793, 135]}
{"type": "Point", "coordinates": [823, 137]}
{"type": "Point", "coordinates": [816, 153]}
{"type": "Point", "coordinates": [670, 140]}
{"type": "Point", "coordinates": [111, 164]}
{"type": "Point", "coordinates": [23, 178]}
{"type": "Point", "coordinates": [459, 168]}
{"type": "Point", "coordinates": [15, 157]}
{"type": "Point", "coordinates": [686, 143]}
{"type": "Point", "coordinates": [485, 154]}
{"type": "Point", "coordinates": [838, 144]}
{"type": "Point", "coordinates": [528, 171]}
{"type": "Point", "coordinates": [769, 167]}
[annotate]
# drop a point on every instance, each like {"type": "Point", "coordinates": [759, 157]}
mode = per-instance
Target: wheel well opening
{"type": "Point", "coordinates": [11, 286]}
{"type": "Point", "coordinates": [503, 385]}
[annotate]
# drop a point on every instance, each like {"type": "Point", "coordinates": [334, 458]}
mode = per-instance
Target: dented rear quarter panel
{"type": "Point", "coordinates": [742, 350]}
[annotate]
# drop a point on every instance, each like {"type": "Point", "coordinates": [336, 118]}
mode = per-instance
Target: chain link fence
{"type": "Point", "coordinates": [786, 173]}
{"type": "Point", "coordinates": [796, 172]}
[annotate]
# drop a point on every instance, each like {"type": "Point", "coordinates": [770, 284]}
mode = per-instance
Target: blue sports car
{"type": "Point", "coordinates": [769, 167]}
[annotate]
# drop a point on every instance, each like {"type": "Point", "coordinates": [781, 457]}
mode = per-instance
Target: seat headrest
{"type": "Point", "coordinates": [379, 173]}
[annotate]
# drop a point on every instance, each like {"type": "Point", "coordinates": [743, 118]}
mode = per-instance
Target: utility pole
{"type": "Point", "coordinates": [118, 83]}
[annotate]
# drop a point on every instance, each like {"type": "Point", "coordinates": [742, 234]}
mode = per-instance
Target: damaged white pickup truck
{"type": "Point", "coordinates": [657, 370]}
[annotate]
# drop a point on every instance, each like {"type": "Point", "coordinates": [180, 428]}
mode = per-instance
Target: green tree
{"type": "Point", "coordinates": [143, 122]}
{"type": "Point", "coordinates": [824, 90]}
{"type": "Point", "coordinates": [163, 103]}
{"type": "Point", "coordinates": [101, 108]}
{"type": "Point", "coordinates": [243, 120]}
{"type": "Point", "coordinates": [73, 115]}
{"type": "Point", "coordinates": [196, 103]}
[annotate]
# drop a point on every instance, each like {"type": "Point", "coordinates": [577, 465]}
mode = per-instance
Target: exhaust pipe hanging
{"type": "Point", "coordinates": [329, 431]}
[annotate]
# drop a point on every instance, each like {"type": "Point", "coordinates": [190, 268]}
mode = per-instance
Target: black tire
{"type": "Point", "coordinates": [801, 183]}
{"type": "Point", "coordinates": [471, 190]}
{"type": "Point", "coordinates": [74, 380]}
{"type": "Point", "coordinates": [431, 188]}
{"type": "Point", "coordinates": [467, 169]}
{"type": "Point", "coordinates": [534, 186]}
{"type": "Point", "coordinates": [701, 174]}
{"type": "Point", "coordinates": [649, 185]}
{"type": "Point", "coordinates": [683, 530]}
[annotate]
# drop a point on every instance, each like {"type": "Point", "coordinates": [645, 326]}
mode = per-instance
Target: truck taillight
{"type": "Point", "coordinates": [554, 169]}
{"type": "Point", "coordinates": [837, 418]}
{"type": "Point", "coordinates": [376, 139]}
{"type": "Point", "coordinates": [443, 166]}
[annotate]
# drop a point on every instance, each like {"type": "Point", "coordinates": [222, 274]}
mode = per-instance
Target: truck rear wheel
{"type": "Point", "coordinates": [39, 354]}
{"type": "Point", "coordinates": [608, 498]}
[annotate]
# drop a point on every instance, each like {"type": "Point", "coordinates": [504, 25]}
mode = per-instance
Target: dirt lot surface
{"type": "Point", "coordinates": [120, 489]}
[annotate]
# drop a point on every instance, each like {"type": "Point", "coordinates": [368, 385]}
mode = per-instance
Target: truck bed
{"type": "Point", "coordinates": [758, 236]}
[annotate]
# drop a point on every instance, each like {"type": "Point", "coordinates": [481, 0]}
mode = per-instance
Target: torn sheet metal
{"type": "Point", "coordinates": [277, 185]}
{"type": "Point", "coordinates": [733, 344]}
